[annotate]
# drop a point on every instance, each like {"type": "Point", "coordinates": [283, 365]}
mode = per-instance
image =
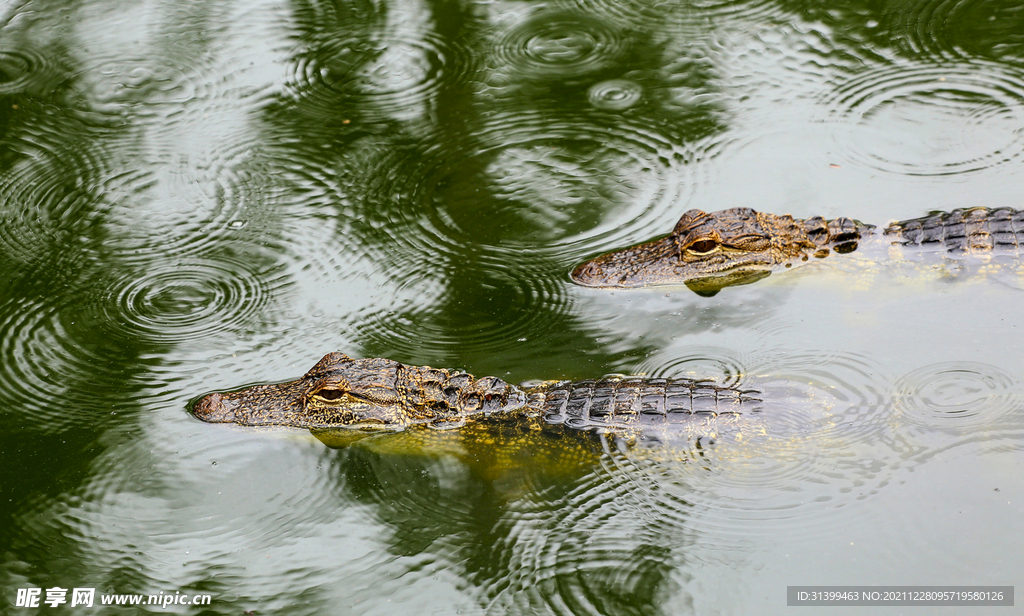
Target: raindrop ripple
{"type": "Point", "coordinates": [974, 114]}
{"type": "Point", "coordinates": [560, 45]}
{"type": "Point", "coordinates": [959, 29]}
{"type": "Point", "coordinates": [615, 94]}
{"type": "Point", "coordinates": [956, 396]}
{"type": "Point", "coordinates": [186, 299]}
{"type": "Point", "coordinates": [393, 74]}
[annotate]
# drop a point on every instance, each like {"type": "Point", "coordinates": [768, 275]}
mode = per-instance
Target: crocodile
{"type": "Point", "coordinates": [708, 252]}
{"type": "Point", "coordinates": [377, 394]}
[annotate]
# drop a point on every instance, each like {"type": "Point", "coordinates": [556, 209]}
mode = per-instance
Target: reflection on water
{"type": "Point", "coordinates": [572, 546]}
{"type": "Point", "coordinates": [196, 197]}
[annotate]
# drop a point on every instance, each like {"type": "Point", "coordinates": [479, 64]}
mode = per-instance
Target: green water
{"type": "Point", "coordinates": [198, 196]}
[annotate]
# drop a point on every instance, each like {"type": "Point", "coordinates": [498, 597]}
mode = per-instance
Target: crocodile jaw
{"type": "Point", "coordinates": [262, 405]}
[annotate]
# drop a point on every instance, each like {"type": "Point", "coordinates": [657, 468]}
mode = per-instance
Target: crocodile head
{"type": "Point", "coordinates": [361, 393]}
{"type": "Point", "coordinates": [705, 251]}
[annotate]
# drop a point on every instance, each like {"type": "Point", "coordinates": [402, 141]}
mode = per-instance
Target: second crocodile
{"type": "Point", "coordinates": [737, 246]}
{"type": "Point", "coordinates": [377, 394]}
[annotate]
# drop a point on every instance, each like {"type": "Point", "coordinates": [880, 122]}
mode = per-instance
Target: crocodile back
{"type": "Point", "coordinates": [977, 229]}
{"type": "Point", "coordinates": [640, 403]}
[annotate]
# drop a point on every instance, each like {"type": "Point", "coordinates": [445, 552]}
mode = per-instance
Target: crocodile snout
{"type": "Point", "coordinates": [214, 408]}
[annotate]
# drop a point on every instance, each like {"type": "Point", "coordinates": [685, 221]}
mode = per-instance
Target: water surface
{"type": "Point", "coordinates": [199, 196]}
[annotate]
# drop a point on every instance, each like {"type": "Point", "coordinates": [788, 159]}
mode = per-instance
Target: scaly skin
{"type": "Point", "coordinates": [380, 394]}
{"type": "Point", "coordinates": [737, 246]}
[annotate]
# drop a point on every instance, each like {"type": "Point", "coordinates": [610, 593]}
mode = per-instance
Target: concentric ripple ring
{"type": "Point", "coordinates": [187, 299]}
{"type": "Point", "coordinates": [615, 94]}
{"type": "Point", "coordinates": [955, 395]}
{"type": "Point", "coordinates": [561, 45]}
{"type": "Point", "coordinates": [932, 119]}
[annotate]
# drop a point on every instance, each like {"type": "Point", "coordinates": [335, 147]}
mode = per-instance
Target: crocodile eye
{"type": "Point", "coordinates": [330, 394]}
{"type": "Point", "coordinates": [702, 247]}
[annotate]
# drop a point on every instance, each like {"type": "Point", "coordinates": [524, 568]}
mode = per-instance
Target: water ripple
{"type": "Point", "coordinates": [956, 29]}
{"type": "Point", "coordinates": [179, 207]}
{"type": "Point", "coordinates": [956, 396]}
{"type": "Point", "coordinates": [540, 173]}
{"type": "Point", "coordinates": [821, 441]}
{"type": "Point", "coordinates": [28, 231]}
{"type": "Point", "coordinates": [544, 209]}
{"type": "Point", "coordinates": [15, 70]}
{"type": "Point", "coordinates": [48, 195]}
{"type": "Point", "coordinates": [125, 80]}
{"type": "Point", "coordinates": [722, 365]}
{"type": "Point", "coordinates": [396, 73]}
{"type": "Point", "coordinates": [26, 70]}
{"type": "Point", "coordinates": [615, 94]}
{"type": "Point", "coordinates": [42, 363]}
{"type": "Point", "coordinates": [186, 299]}
{"type": "Point", "coordinates": [517, 307]}
{"type": "Point", "coordinates": [561, 45]}
{"type": "Point", "coordinates": [133, 491]}
{"type": "Point", "coordinates": [973, 114]}
{"type": "Point", "coordinates": [161, 89]}
{"type": "Point", "coordinates": [611, 550]}
{"type": "Point", "coordinates": [698, 14]}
